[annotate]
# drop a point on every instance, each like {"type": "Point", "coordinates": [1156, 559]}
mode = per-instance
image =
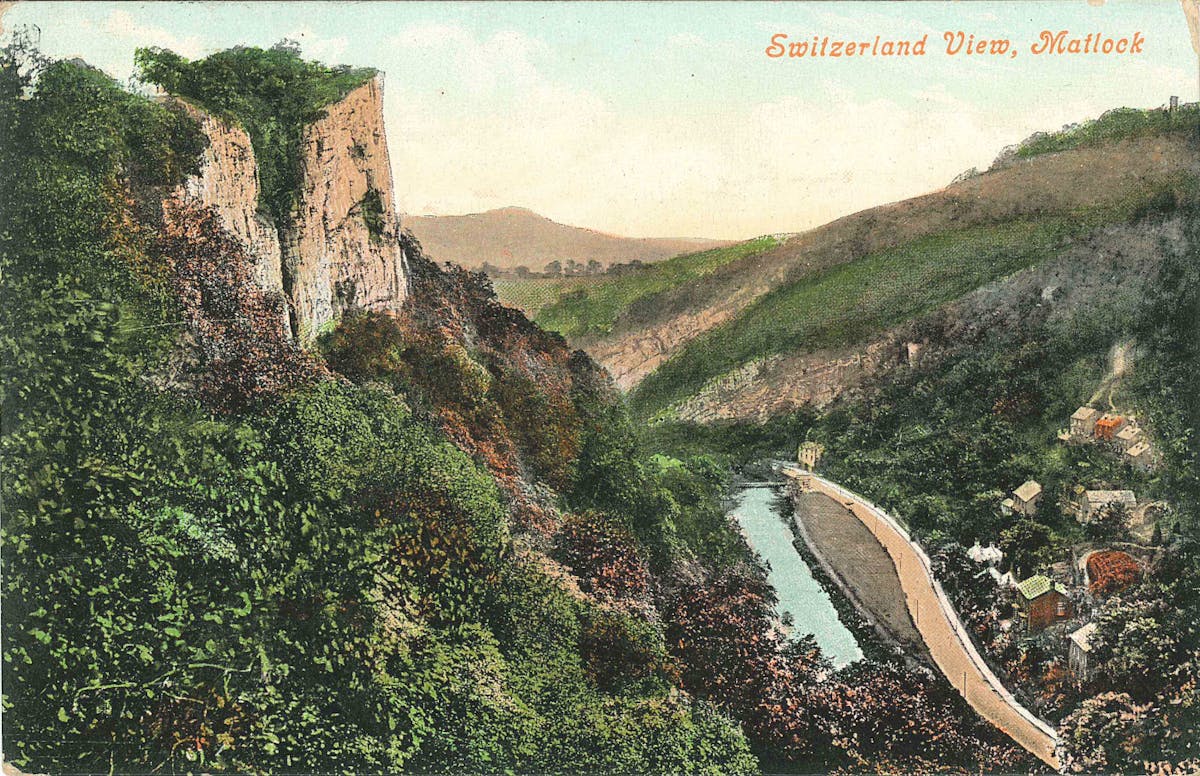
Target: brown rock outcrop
{"type": "Point", "coordinates": [333, 260]}
{"type": "Point", "coordinates": [340, 249]}
{"type": "Point", "coordinates": [228, 183]}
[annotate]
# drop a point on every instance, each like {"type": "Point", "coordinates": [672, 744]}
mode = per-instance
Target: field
{"type": "Point", "coordinates": [579, 306]}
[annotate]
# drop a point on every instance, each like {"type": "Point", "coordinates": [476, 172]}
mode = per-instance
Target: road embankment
{"type": "Point", "coordinates": [938, 624]}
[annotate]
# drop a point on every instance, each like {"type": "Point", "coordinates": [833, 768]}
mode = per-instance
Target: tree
{"type": "Point", "coordinates": [1110, 521]}
{"type": "Point", "coordinates": [1108, 734]}
{"type": "Point", "coordinates": [1022, 543]}
{"type": "Point", "coordinates": [1137, 647]}
{"type": "Point", "coordinates": [554, 268]}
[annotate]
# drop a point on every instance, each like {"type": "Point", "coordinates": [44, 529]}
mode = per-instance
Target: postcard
{"type": "Point", "coordinates": [595, 388]}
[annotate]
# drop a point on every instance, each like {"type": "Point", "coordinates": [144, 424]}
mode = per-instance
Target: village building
{"type": "Point", "coordinates": [1043, 602]}
{"type": "Point", "coordinates": [1083, 422]}
{"type": "Point", "coordinates": [1080, 651]}
{"type": "Point", "coordinates": [1025, 499]}
{"type": "Point", "coordinates": [1108, 426]}
{"type": "Point", "coordinates": [1128, 437]}
{"type": "Point", "coordinates": [1095, 500]}
{"type": "Point", "coordinates": [1140, 456]}
{"type": "Point", "coordinates": [1005, 580]}
{"type": "Point", "coordinates": [809, 454]}
{"type": "Point", "coordinates": [990, 554]}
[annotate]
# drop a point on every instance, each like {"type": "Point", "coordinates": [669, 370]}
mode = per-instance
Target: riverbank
{"type": "Point", "coordinates": [861, 569]}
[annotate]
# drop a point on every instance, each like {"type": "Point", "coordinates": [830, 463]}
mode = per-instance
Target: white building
{"type": "Point", "coordinates": [990, 554]}
{"type": "Point", "coordinates": [1080, 651]}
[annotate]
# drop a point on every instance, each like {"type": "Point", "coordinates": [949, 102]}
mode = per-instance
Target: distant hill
{"type": "Point", "coordinates": [514, 236]}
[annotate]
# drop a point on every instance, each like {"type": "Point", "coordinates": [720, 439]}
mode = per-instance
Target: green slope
{"type": "Point", "coordinates": [850, 302]}
{"type": "Point", "coordinates": [1117, 124]}
{"type": "Point", "coordinates": [579, 306]}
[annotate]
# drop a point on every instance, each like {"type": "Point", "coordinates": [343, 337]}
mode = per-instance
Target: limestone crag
{"type": "Point", "coordinates": [228, 183]}
{"type": "Point", "coordinates": [342, 249]}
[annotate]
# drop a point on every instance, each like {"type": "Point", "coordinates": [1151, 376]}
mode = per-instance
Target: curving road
{"type": "Point", "coordinates": [939, 626]}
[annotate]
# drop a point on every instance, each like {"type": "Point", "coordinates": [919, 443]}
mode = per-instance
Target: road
{"type": "Point", "coordinates": [939, 626]}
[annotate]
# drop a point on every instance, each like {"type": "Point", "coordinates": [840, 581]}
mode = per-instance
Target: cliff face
{"type": "Point", "coordinates": [228, 183]}
{"type": "Point", "coordinates": [341, 248]}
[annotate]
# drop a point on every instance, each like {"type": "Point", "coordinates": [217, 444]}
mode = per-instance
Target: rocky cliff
{"type": "Point", "coordinates": [228, 183]}
{"type": "Point", "coordinates": [340, 248]}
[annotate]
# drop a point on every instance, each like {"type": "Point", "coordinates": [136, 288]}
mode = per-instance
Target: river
{"type": "Point", "coordinates": [757, 511]}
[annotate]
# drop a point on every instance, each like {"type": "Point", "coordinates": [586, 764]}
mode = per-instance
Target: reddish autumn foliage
{"type": "Point", "coordinates": [206, 721]}
{"type": "Point", "coordinates": [794, 709]}
{"type": "Point", "coordinates": [721, 634]}
{"type": "Point", "coordinates": [500, 388]}
{"type": "Point", "coordinates": [243, 346]}
{"type": "Point", "coordinates": [604, 555]}
{"type": "Point", "coordinates": [1111, 572]}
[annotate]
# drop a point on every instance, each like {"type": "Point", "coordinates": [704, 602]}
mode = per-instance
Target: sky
{"type": "Point", "coordinates": [669, 119]}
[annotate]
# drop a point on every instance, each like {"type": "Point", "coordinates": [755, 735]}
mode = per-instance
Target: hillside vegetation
{"type": "Point", "coordinates": [1121, 166]}
{"type": "Point", "coordinates": [849, 302]}
{"type": "Point", "coordinates": [1119, 124]}
{"type": "Point", "coordinates": [591, 306]}
{"type": "Point", "coordinates": [219, 556]}
{"type": "Point", "coordinates": [434, 544]}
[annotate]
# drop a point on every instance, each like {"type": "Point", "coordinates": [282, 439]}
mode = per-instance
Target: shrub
{"type": "Point", "coordinates": [604, 555]}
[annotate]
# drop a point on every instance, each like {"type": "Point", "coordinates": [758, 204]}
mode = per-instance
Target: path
{"type": "Point", "coordinates": [939, 625]}
{"type": "Point", "coordinates": [1120, 356]}
{"type": "Point", "coordinates": [860, 567]}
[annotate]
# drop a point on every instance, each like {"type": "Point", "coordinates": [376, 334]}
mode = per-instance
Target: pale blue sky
{"type": "Point", "coordinates": [659, 119]}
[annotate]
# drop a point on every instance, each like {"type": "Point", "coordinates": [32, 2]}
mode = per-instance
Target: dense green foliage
{"type": "Point", "coordinates": [318, 580]}
{"type": "Point", "coordinates": [273, 93]}
{"type": "Point", "coordinates": [1118, 124]}
{"type": "Point", "coordinates": [595, 304]}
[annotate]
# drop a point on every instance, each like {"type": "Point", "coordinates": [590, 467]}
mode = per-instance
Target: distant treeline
{"type": "Point", "coordinates": [559, 269]}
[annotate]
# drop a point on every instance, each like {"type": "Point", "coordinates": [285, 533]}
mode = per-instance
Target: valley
{"type": "Point", "coordinates": [288, 484]}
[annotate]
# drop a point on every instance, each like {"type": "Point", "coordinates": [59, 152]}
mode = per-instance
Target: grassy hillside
{"type": "Point", "coordinates": [1118, 124]}
{"type": "Point", "coordinates": [849, 303]}
{"type": "Point", "coordinates": [578, 307]}
{"type": "Point", "coordinates": [1124, 162]}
